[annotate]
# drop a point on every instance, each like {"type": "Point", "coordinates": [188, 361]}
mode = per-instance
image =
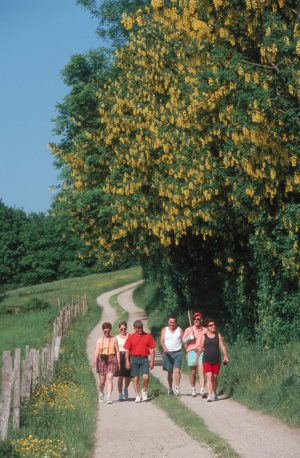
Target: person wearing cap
{"type": "Point", "coordinates": [171, 342]}
{"type": "Point", "coordinates": [138, 347]}
{"type": "Point", "coordinates": [191, 339]}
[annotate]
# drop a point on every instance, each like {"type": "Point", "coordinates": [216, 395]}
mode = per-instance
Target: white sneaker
{"type": "Point", "coordinates": [109, 401]}
{"type": "Point", "coordinates": [194, 392]}
{"type": "Point", "coordinates": [210, 398]}
{"type": "Point", "coordinates": [138, 398]}
{"type": "Point", "coordinates": [101, 397]}
{"type": "Point", "coordinates": [177, 391]}
{"type": "Point", "coordinates": [144, 395]}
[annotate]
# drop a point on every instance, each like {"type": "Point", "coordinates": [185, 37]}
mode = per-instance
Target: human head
{"type": "Point", "coordinates": [210, 324]}
{"type": "Point", "coordinates": [138, 326]}
{"type": "Point", "coordinates": [197, 319]}
{"type": "Point", "coordinates": [172, 322]}
{"type": "Point", "coordinates": [106, 328]}
{"type": "Point", "coordinates": [123, 327]}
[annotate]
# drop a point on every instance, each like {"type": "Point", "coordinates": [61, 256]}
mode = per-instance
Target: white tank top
{"type": "Point", "coordinates": [121, 341]}
{"type": "Point", "coordinates": [173, 339]}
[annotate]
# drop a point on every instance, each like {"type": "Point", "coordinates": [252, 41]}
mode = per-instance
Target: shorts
{"type": "Point", "coordinates": [139, 365]}
{"type": "Point", "coordinates": [191, 358]}
{"type": "Point", "coordinates": [209, 367]}
{"type": "Point", "coordinates": [110, 366]}
{"type": "Point", "coordinates": [122, 372]}
{"type": "Point", "coordinates": [171, 360]}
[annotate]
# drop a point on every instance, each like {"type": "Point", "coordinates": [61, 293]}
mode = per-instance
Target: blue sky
{"type": "Point", "coordinates": [37, 39]}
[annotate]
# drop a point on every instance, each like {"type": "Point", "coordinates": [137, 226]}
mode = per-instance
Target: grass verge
{"type": "Point", "coordinates": [262, 379]}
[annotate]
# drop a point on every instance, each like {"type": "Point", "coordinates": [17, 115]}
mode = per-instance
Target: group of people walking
{"type": "Point", "coordinates": [131, 356]}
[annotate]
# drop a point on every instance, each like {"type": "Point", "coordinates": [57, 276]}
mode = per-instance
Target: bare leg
{"type": "Point", "coordinates": [136, 385]}
{"type": "Point", "coordinates": [177, 376]}
{"type": "Point", "coordinates": [193, 376]}
{"type": "Point", "coordinates": [170, 379]}
{"type": "Point", "coordinates": [145, 381]}
{"type": "Point", "coordinates": [209, 383]}
{"type": "Point", "coordinates": [120, 384]}
{"type": "Point", "coordinates": [127, 381]}
{"type": "Point", "coordinates": [109, 377]}
{"type": "Point", "coordinates": [214, 381]}
{"type": "Point", "coordinates": [102, 380]}
{"type": "Point", "coordinates": [201, 376]}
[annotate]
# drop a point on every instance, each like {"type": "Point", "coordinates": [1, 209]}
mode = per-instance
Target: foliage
{"type": "Point", "coordinates": [38, 247]}
{"type": "Point", "coordinates": [109, 13]}
{"type": "Point", "coordinates": [198, 158]}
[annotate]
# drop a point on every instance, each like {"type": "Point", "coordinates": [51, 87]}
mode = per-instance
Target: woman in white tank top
{"type": "Point", "coordinates": [171, 342]}
{"type": "Point", "coordinates": [123, 374]}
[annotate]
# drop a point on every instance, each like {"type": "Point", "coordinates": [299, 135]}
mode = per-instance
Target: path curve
{"type": "Point", "coordinates": [251, 433]}
{"type": "Point", "coordinates": [130, 429]}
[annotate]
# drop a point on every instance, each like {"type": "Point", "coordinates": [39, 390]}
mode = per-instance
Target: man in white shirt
{"type": "Point", "coordinates": [171, 342]}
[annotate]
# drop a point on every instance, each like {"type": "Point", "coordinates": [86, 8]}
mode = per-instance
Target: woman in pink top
{"type": "Point", "coordinates": [191, 339]}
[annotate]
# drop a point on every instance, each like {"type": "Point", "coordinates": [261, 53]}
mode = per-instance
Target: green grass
{"type": "Point", "coordinates": [188, 420]}
{"type": "Point", "coordinates": [122, 314]}
{"type": "Point", "coordinates": [34, 328]}
{"type": "Point", "coordinates": [66, 409]}
{"type": "Point", "coordinates": [262, 379]}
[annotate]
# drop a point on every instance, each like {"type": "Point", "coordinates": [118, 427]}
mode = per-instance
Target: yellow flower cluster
{"type": "Point", "coordinates": [60, 396]}
{"type": "Point", "coordinates": [40, 448]}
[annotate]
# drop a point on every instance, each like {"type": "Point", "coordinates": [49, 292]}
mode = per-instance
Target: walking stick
{"type": "Point", "coordinates": [189, 315]}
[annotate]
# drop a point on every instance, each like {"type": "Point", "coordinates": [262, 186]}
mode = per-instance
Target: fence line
{"type": "Point", "coordinates": [20, 378]}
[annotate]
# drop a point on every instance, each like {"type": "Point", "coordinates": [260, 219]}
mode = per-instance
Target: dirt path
{"type": "Point", "coordinates": [250, 433]}
{"type": "Point", "coordinates": [139, 430]}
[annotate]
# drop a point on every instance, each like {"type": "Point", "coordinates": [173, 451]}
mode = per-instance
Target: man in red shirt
{"type": "Point", "coordinates": [138, 346]}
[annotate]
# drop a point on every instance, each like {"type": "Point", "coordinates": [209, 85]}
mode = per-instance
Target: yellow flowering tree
{"type": "Point", "coordinates": [199, 131]}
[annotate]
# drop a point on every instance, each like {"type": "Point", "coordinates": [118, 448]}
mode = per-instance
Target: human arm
{"type": "Point", "coordinates": [200, 348]}
{"type": "Point", "coordinates": [152, 356]}
{"type": "Point", "coordinates": [96, 353]}
{"type": "Point", "coordinates": [117, 351]}
{"type": "Point", "coordinates": [223, 348]}
{"type": "Point", "coordinates": [162, 340]}
{"type": "Point", "coordinates": [127, 361]}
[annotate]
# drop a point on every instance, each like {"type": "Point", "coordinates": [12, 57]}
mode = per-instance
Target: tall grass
{"type": "Point", "coordinates": [262, 379]}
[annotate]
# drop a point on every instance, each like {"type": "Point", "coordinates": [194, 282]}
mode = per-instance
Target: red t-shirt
{"type": "Point", "coordinates": [139, 344]}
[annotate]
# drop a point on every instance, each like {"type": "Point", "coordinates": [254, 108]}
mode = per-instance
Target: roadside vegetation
{"type": "Point", "coordinates": [59, 420]}
{"type": "Point", "coordinates": [261, 378]}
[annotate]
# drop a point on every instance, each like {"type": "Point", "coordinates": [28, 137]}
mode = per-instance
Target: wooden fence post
{"type": "Point", "coordinates": [26, 378]}
{"type": "Point", "coordinates": [35, 367]}
{"type": "Point", "coordinates": [16, 389]}
{"type": "Point", "coordinates": [6, 393]}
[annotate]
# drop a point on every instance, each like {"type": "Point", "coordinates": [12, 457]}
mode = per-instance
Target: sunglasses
{"type": "Point", "coordinates": [123, 329]}
{"type": "Point", "coordinates": [197, 319]}
{"type": "Point", "coordinates": [211, 324]}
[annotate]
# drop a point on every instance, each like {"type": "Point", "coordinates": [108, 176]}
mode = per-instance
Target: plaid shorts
{"type": "Point", "coordinates": [107, 367]}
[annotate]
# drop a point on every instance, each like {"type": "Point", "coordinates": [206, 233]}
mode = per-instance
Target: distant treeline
{"type": "Point", "coordinates": [39, 247]}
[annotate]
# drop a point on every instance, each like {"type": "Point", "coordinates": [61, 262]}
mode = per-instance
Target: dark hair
{"type": "Point", "coordinates": [106, 325]}
{"type": "Point", "coordinates": [172, 317]}
{"type": "Point", "coordinates": [122, 323]}
{"type": "Point", "coordinates": [207, 320]}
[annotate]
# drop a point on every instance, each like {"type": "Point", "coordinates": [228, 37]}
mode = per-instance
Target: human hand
{"type": "Point", "coordinates": [151, 365]}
